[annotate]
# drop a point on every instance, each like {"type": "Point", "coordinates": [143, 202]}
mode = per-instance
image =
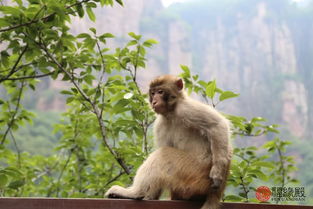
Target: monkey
{"type": "Point", "coordinates": [193, 152]}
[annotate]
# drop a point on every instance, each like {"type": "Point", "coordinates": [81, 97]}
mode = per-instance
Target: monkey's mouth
{"type": "Point", "coordinates": [154, 106]}
{"type": "Point", "coordinates": [157, 109]}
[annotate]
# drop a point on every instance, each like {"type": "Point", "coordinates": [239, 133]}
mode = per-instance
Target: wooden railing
{"type": "Point", "coordinates": [52, 203]}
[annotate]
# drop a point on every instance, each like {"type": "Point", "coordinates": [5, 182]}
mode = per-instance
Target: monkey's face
{"type": "Point", "coordinates": [164, 93]}
{"type": "Point", "coordinates": [158, 100]}
{"type": "Point", "coordinates": [162, 101]}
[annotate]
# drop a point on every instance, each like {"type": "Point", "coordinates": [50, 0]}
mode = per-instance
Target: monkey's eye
{"type": "Point", "coordinates": [160, 92]}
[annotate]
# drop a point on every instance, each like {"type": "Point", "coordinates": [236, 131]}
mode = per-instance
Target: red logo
{"type": "Point", "coordinates": [263, 193]}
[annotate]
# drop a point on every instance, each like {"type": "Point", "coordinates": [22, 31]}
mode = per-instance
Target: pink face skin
{"type": "Point", "coordinates": [157, 101]}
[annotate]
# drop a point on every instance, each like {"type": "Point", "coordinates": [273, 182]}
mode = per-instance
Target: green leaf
{"type": "Point", "coordinates": [141, 50]}
{"type": "Point", "coordinates": [233, 198]}
{"type": "Point", "coordinates": [152, 41]}
{"type": "Point", "coordinates": [210, 89]}
{"type": "Point", "coordinates": [132, 42]}
{"type": "Point", "coordinates": [19, 2]}
{"type": "Point", "coordinates": [120, 106]}
{"type": "Point", "coordinates": [270, 144]}
{"type": "Point", "coordinates": [102, 2]}
{"type": "Point", "coordinates": [80, 10]}
{"type": "Point", "coordinates": [202, 83]}
{"type": "Point", "coordinates": [242, 194]}
{"type": "Point", "coordinates": [121, 122]}
{"type": "Point", "coordinates": [133, 35]}
{"type": "Point", "coordinates": [149, 42]}
{"type": "Point", "coordinates": [93, 30]}
{"type": "Point", "coordinates": [128, 95]}
{"type": "Point", "coordinates": [92, 5]}
{"type": "Point", "coordinates": [256, 119]}
{"type": "Point", "coordinates": [16, 184]}
{"type": "Point", "coordinates": [264, 164]}
{"type": "Point", "coordinates": [141, 64]}
{"type": "Point", "coordinates": [59, 10]}
{"type": "Point", "coordinates": [3, 180]}
{"type": "Point", "coordinates": [227, 95]}
{"type": "Point", "coordinates": [195, 77]}
{"type": "Point", "coordinates": [66, 92]}
{"type": "Point", "coordinates": [272, 128]}
{"type": "Point", "coordinates": [138, 115]}
{"type": "Point", "coordinates": [88, 79]}
{"type": "Point", "coordinates": [5, 58]}
{"type": "Point", "coordinates": [91, 14]}
{"type": "Point", "coordinates": [90, 43]}
{"type": "Point", "coordinates": [84, 35]}
{"type": "Point", "coordinates": [10, 10]}
{"type": "Point", "coordinates": [13, 172]}
{"type": "Point", "coordinates": [69, 100]}
{"type": "Point", "coordinates": [120, 2]}
{"type": "Point", "coordinates": [108, 35]}
{"type": "Point", "coordinates": [185, 69]}
{"type": "Point", "coordinates": [4, 23]}
{"type": "Point", "coordinates": [32, 86]}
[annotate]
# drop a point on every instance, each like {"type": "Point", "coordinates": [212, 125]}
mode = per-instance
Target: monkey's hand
{"type": "Point", "coordinates": [216, 183]}
{"type": "Point", "coordinates": [216, 178]}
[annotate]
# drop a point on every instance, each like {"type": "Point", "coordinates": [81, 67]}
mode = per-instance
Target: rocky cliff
{"type": "Point", "coordinates": [251, 50]}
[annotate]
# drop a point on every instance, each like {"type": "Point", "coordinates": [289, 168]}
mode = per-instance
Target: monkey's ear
{"type": "Point", "coordinates": [180, 84]}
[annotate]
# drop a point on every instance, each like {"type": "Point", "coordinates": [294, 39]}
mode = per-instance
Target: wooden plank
{"type": "Point", "coordinates": [59, 203]}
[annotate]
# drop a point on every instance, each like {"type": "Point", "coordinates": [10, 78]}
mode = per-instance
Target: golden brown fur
{"type": "Point", "coordinates": [193, 152]}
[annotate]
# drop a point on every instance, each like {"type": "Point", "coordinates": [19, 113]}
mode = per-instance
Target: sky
{"type": "Point", "coordinates": [167, 3]}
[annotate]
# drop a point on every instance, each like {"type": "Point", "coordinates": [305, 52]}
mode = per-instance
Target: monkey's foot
{"type": "Point", "coordinates": [117, 196]}
{"type": "Point", "coordinates": [118, 192]}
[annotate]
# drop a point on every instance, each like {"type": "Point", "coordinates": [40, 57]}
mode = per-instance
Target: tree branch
{"type": "Point", "coordinates": [245, 190]}
{"type": "Point", "coordinates": [102, 60]}
{"type": "Point", "coordinates": [114, 179]}
{"type": "Point", "coordinates": [93, 105]}
{"type": "Point", "coordinates": [29, 77]}
{"type": "Point", "coordinates": [282, 166]}
{"type": "Point", "coordinates": [62, 171]}
{"type": "Point", "coordinates": [17, 149]}
{"type": "Point", "coordinates": [14, 114]}
{"type": "Point", "coordinates": [13, 70]}
{"type": "Point", "coordinates": [37, 20]}
{"type": "Point", "coordinates": [145, 122]}
{"type": "Point", "coordinates": [48, 169]}
{"type": "Point", "coordinates": [101, 76]}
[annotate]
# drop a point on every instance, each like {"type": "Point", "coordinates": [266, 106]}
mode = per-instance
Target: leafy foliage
{"type": "Point", "coordinates": [106, 129]}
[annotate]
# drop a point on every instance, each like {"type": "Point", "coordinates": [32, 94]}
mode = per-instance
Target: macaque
{"type": "Point", "coordinates": [193, 152]}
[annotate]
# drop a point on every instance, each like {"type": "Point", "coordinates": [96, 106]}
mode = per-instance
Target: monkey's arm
{"type": "Point", "coordinates": [221, 153]}
{"type": "Point", "coordinates": [216, 129]}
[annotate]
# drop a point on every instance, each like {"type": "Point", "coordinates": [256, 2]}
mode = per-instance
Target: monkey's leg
{"type": "Point", "coordinates": [166, 168]}
{"type": "Point", "coordinates": [137, 192]}
{"type": "Point", "coordinates": [147, 182]}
